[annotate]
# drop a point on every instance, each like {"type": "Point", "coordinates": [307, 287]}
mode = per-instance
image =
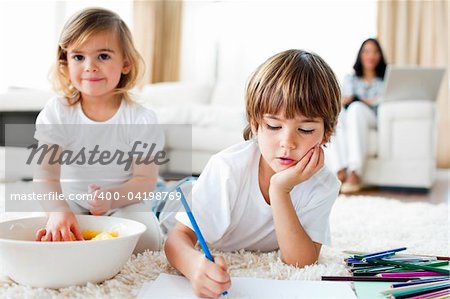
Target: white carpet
{"type": "Point", "coordinates": [357, 223]}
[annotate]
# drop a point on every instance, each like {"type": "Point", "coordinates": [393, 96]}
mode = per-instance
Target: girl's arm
{"type": "Point", "coordinates": [208, 279]}
{"type": "Point", "coordinates": [132, 191]}
{"type": "Point", "coordinates": [296, 246]}
{"type": "Point", "coordinates": [61, 220]}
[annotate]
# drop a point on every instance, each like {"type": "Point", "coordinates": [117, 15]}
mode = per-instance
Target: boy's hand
{"type": "Point", "coordinates": [59, 227]}
{"type": "Point", "coordinates": [287, 179]}
{"type": "Point", "coordinates": [211, 279]}
{"type": "Point", "coordinates": [98, 206]}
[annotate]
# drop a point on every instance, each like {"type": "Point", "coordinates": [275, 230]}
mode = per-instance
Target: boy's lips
{"type": "Point", "coordinates": [285, 160]}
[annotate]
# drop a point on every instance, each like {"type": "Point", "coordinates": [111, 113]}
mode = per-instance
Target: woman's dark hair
{"type": "Point", "coordinates": [380, 68]}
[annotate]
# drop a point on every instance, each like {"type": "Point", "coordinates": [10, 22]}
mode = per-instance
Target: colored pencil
{"type": "Point", "coordinates": [412, 266]}
{"type": "Point", "coordinates": [365, 278]}
{"type": "Point", "coordinates": [378, 256]}
{"type": "Point", "coordinates": [444, 258]}
{"type": "Point", "coordinates": [412, 293]}
{"type": "Point", "coordinates": [419, 281]}
{"type": "Point", "coordinates": [440, 295]}
{"type": "Point", "coordinates": [380, 253]}
{"type": "Point", "coordinates": [410, 274]}
{"type": "Point", "coordinates": [414, 287]}
{"type": "Point", "coordinates": [197, 231]}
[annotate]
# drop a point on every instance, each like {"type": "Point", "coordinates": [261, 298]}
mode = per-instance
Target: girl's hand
{"type": "Point", "coordinates": [59, 227]}
{"type": "Point", "coordinates": [210, 279]}
{"type": "Point", "coordinates": [368, 101]}
{"type": "Point", "coordinates": [98, 206]}
{"type": "Point", "coordinates": [346, 100]}
{"type": "Point", "coordinates": [287, 179]}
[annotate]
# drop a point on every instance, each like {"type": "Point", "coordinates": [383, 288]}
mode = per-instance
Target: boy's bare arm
{"type": "Point", "coordinates": [180, 251]}
{"type": "Point", "coordinates": [296, 246]}
{"type": "Point", "coordinates": [208, 279]}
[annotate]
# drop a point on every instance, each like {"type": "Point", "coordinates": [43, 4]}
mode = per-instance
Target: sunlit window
{"type": "Point", "coordinates": [29, 32]}
{"type": "Point", "coordinates": [227, 40]}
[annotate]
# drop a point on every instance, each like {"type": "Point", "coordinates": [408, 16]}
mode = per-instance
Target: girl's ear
{"type": "Point", "coordinates": [126, 67]}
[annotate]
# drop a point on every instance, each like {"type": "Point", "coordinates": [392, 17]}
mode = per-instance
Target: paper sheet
{"type": "Point", "coordinates": [172, 286]}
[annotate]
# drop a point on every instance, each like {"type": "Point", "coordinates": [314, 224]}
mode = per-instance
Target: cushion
{"type": "Point", "coordinates": [228, 94]}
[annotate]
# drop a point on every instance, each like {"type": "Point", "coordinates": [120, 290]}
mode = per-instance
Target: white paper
{"type": "Point", "coordinates": [172, 286]}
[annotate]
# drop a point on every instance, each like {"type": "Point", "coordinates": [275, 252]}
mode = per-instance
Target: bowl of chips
{"type": "Point", "coordinates": [109, 243]}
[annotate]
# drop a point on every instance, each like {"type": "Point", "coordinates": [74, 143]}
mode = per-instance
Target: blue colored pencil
{"type": "Point", "coordinates": [197, 231]}
{"type": "Point", "coordinates": [378, 256]}
{"type": "Point", "coordinates": [368, 255]}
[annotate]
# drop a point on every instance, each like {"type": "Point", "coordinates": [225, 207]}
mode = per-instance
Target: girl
{"type": "Point", "coordinates": [95, 121]}
{"type": "Point", "coordinates": [360, 96]}
{"type": "Point", "coordinates": [270, 191]}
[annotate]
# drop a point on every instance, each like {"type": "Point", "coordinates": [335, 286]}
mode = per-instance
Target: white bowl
{"type": "Point", "coordinates": [62, 264]}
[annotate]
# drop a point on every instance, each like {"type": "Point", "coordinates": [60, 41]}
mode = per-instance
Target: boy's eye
{"type": "Point", "coordinates": [78, 57]}
{"type": "Point", "coordinates": [304, 131]}
{"type": "Point", "coordinates": [104, 56]}
{"type": "Point", "coordinates": [272, 127]}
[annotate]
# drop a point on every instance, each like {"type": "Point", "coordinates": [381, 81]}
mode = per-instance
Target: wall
{"type": "Point", "coordinates": [227, 40]}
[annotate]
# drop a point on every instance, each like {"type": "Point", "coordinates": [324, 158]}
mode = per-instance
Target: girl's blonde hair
{"type": "Point", "coordinates": [78, 29]}
{"type": "Point", "coordinates": [293, 82]}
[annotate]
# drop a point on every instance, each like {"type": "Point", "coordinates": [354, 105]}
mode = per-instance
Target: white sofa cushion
{"type": "Point", "coordinates": [209, 139]}
{"type": "Point", "coordinates": [24, 99]}
{"type": "Point", "coordinates": [229, 95]}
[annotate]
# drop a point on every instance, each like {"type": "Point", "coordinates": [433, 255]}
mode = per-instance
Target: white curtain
{"type": "Point", "coordinates": [417, 33]}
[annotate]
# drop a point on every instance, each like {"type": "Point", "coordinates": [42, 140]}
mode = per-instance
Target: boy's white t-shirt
{"type": "Point", "coordinates": [68, 126]}
{"type": "Point", "coordinates": [231, 211]}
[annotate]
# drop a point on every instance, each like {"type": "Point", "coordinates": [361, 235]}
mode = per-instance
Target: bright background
{"type": "Point", "coordinates": [221, 40]}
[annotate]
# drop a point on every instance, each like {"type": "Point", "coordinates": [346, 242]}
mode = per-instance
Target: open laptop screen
{"type": "Point", "coordinates": [412, 83]}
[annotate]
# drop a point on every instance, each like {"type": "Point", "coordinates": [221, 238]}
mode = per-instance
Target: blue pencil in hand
{"type": "Point", "coordinates": [197, 231]}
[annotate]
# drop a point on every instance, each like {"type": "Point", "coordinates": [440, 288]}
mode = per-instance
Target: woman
{"type": "Point", "coordinates": [360, 98]}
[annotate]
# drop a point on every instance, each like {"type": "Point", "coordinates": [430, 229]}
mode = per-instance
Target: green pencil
{"type": "Point", "coordinates": [411, 266]}
{"type": "Point", "coordinates": [420, 290]}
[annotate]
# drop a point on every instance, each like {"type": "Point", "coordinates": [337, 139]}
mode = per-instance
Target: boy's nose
{"type": "Point", "coordinates": [288, 140]}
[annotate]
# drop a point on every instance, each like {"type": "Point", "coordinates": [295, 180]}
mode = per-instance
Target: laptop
{"type": "Point", "coordinates": [412, 83]}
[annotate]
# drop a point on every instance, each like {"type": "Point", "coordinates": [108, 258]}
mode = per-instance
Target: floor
{"type": "Point", "coordinates": [438, 194]}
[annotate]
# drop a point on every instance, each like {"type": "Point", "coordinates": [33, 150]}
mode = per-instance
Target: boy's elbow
{"type": "Point", "coordinates": [299, 262]}
{"type": "Point", "coordinates": [168, 243]}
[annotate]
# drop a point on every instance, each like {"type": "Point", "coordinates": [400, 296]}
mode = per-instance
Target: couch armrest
{"type": "Point", "coordinates": [406, 130]}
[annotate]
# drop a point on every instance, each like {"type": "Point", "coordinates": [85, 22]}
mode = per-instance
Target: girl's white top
{"type": "Point", "coordinates": [76, 134]}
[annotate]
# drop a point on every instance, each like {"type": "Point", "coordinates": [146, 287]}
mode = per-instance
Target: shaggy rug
{"type": "Point", "coordinates": [357, 222]}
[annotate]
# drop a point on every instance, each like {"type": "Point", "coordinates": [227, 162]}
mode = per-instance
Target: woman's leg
{"type": "Point", "coordinates": [336, 151]}
{"type": "Point", "coordinates": [360, 119]}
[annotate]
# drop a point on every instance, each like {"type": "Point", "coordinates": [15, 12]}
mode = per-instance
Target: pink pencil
{"type": "Point", "coordinates": [432, 295]}
{"type": "Point", "coordinates": [409, 274]}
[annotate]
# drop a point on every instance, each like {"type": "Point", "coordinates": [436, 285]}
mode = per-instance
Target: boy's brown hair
{"type": "Point", "coordinates": [78, 29]}
{"type": "Point", "coordinates": [295, 82]}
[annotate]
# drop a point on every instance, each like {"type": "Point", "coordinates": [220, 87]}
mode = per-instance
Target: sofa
{"type": "Point", "coordinates": [401, 152]}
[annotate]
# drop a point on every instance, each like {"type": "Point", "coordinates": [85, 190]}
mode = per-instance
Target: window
{"type": "Point", "coordinates": [227, 40]}
{"type": "Point", "coordinates": [29, 31]}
